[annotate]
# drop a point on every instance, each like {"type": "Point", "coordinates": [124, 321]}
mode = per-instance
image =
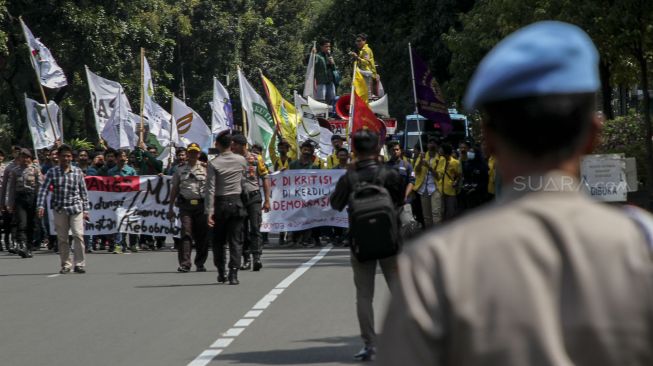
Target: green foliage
{"type": "Point", "coordinates": [198, 39]}
{"type": "Point", "coordinates": [81, 144]}
{"type": "Point", "coordinates": [625, 134]}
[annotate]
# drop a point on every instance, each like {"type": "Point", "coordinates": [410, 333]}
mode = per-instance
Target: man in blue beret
{"type": "Point", "coordinates": [545, 276]}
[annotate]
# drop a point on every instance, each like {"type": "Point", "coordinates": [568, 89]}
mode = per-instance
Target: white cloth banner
{"type": "Point", "coordinates": [120, 129]}
{"type": "Point", "coordinates": [309, 79]}
{"type": "Point", "coordinates": [50, 73]}
{"type": "Point", "coordinates": [43, 135]}
{"type": "Point", "coordinates": [190, 126]}
{"type": "Point", "coordinates": [259, 120]}
{"type": "Point", "coordinates": [300, 199]}
{"type": "Point", "coordinates": [157, 118]}
{"type": "Point", "coordinates": [309, 129]}
{"type": "Point", "coordinates": [106, 95]}
{"type": "Point", "coordinates": [132, 205]}
{"type": "Point", "coordinates": [222, 118]}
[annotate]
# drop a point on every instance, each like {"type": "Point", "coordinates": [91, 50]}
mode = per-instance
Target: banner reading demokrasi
{"type": "Point", "coordinates": [299, 200]}
{"type": "Point", "coordinates": [132, 205]}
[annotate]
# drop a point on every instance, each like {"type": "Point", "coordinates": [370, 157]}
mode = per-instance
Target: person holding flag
{"type": "Point", "coordinates": [365, 61]}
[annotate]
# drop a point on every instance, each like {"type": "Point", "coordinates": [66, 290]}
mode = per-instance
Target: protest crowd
{"type": "Point", "coordinates": [271, 183]}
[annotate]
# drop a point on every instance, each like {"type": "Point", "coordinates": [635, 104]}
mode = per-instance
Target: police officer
{"type": "Point", "coordinates": [225, 208]}
{"type": "Point", "coordinates": [23, 184]}
{"type": "Point", "coordinates": [546, 276]}
{"type": "Point", "coordinates": [188, 183]}
{"type": "Point", "coordinates": [9, 232]}
{"type": "Point", "coordinates": [256, 172]}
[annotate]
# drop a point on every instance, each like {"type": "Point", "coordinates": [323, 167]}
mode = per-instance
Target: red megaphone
{"type": "Point", "coordinates": [342, 106]}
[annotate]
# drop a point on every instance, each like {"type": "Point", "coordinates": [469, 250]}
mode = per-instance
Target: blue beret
{"type": "Point", "coordinates": [543, 58]}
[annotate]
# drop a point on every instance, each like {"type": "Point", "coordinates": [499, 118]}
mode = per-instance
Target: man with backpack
{"type": "Point", "coordinates": [373, 194]}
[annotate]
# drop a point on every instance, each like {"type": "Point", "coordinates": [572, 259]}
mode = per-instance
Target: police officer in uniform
{"type": "Point", "coordinates": [546, 276]}
{"type": "Point", "coordinates": [188, 183]}
{"type": "Point", "coordinates": [225, 208]}
{"type": "Point", "coordinates": [254, 203]}
{"type": "Point", "coordinates": [23, 184]}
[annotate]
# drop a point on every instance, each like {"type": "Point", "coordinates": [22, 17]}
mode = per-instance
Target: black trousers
{"type": "Point", "coordinates": [193, 230]}
{"type": "Point", "coordinates": [252, 230]}
{"type": "Point", "coordinates": [6, 228]}
{"type": "Point", "coordinates": [25, 218]}
{"type": "Point", "coordinates": [229, 214]}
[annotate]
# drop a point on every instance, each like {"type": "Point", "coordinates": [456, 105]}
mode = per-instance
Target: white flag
{"type": "Point", "coordinates": [155, 116]}
{"type": "Point", "coordinates": [190, 126]}
{"type": "Point", "coordinates": [49, 72]}
{"type": "Point", "coordinates": [309, 80]}
{"type": "Point", "coordinates": [105, 96]}
{"type": "Point", "coordinates": [260, 121]}
{"type": "Point", "coordinates": [222, 117]}
{"type": "Point", "coordinates": [119, 132]}
{"type": "Point", "coordinates": [309, 129]}
{"type": "Point", "coordinates": [43, 134]}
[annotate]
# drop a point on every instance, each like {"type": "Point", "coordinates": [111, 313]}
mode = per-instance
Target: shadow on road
{"type": "Point", "coordinates": [338, 350]}
{"type": "Point", "coordinates": [179, 285]}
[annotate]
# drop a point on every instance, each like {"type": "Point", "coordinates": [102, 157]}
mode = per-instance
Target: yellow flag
{"type": "Point", "coordinates": [360, 85]}
{"type": "Point", "coordinates": [286, 116]}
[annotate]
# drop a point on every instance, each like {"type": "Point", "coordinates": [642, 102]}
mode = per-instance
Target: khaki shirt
{"type": "Point", "coordinates": [256, 170]}
{"type": "Point", "coordinates": [225, 177]}
{"type": "Point", "coordinates": [544, 277]}
{"type": "Point", "coordinates": [190, 181]}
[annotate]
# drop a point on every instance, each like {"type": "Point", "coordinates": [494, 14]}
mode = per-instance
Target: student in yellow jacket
{"type": "Point", "coordinates": [332, 160]}
{"type": "Point", "coordinates": [365, 60]}
{"type": "Point", "coordinates": [449, 174]}
{"type": "Point", "coordinates": [426, 184]}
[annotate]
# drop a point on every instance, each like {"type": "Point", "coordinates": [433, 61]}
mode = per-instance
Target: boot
{"type": "Point", "coordinates": [11, 247]}
{"type": "Point", "coordinates": [21, 250]}
{"type": "Point", "coordinates": [233, 276]}
{"type": "Point", "coordinates": [257, 264]}
{"type": "Point", "coordinates": [221, 277]}
{"type": "Point", "coordinates": [247, 264]}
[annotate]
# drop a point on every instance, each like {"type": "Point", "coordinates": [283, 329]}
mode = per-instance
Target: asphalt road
{"type": "Point", "coordinates": [135, 309]}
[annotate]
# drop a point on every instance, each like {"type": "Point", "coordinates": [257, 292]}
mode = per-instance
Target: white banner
{"type": "Point", "coordinates": [222, 117]}
{"type": "Point", "coordinates": [190, 126]}
{"type": "Point", "coordinates": [260, 121]}
{"type": "Point", "coordinates": [105, 96]}
{"type": "Point", "coordinates": [43, 134]}
{"type": "Point", "coordinates": [132, 205]}
{"type": "Point", "coordinates": [300, 199]}
{"type": "Point", "coordinates": [50, 73]}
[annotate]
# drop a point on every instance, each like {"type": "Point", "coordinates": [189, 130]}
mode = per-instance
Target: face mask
{"type": "Point", "coordinates": [471, 155]}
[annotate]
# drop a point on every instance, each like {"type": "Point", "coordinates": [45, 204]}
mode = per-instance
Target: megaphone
{"type": "Point", "coordinates": [380, 106]}
{"type": "Point", "coordinates": [342, 106]}
{"type": "Point", "coordinates": [318, 108]}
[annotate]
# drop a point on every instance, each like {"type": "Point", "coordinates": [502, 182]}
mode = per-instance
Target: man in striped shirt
{"type": "Point", "coordinates": [69, 205]}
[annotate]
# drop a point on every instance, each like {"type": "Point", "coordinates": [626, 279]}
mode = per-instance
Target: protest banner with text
{"type": "Point", "coordinates": [299, 200]}
{"type": "Point", "coordinates": [132, 205]}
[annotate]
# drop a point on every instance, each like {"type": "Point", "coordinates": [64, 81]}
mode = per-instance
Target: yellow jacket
{"type": "Point", "coordinates": [332, 160]}
{"type": "Point", "coordinates": [447, 179]}
{"type": "Point", "coordinates": [422, 171]}
{"type": "Point", "coordinates": [366, 59]}
{"type": "Point", "coordinates": [491, 163]}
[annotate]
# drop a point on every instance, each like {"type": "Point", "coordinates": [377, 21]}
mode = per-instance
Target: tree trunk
{"type": "Point", "coordinates": [606, 89]}
{"type": "Point", "coordinates": [643, 68]}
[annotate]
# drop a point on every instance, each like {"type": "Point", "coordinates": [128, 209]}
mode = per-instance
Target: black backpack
{"type": "Point", "coordinates": [372, 218]}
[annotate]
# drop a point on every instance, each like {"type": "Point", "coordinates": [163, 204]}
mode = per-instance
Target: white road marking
{"type": "Point", "coordinates": [228, 337]}
{"type": "Point", "coordinates": [54, 275]}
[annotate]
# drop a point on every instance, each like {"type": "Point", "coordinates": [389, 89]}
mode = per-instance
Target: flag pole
{"type": "Point", "coordinates": [274, 112]}
{"type": "Point", "coordinates": [242, 109]}
{"type": "Point", "coordinates": [173, 125]}
{"type": "Point", "coordinates": [142, 91]}
{"type": "Point", "coordinates": [38, 81]}
{"type": "Point", "coordinates": [351, 106]}
{"type": "Point", "coordinates": [412, 74]}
